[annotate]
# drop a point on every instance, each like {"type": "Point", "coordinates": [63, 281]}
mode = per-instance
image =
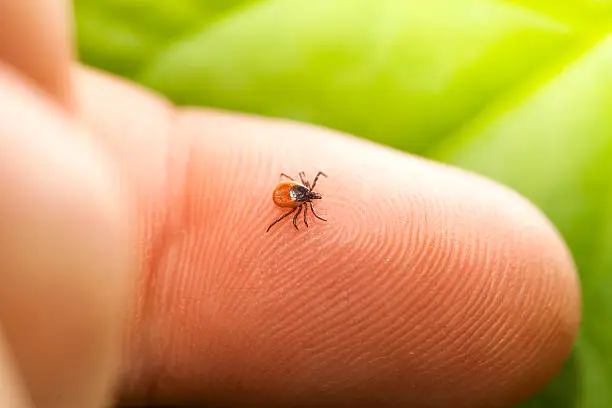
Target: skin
{"type": "Point", "coordinates": [429, 286]}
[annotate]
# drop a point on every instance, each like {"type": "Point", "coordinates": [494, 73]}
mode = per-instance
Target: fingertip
{"type": "Point", "coordinates": [35, 39]}
{"type": "Point", "coordinates": [429, 286]}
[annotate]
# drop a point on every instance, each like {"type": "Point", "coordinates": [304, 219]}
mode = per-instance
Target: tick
{"type": "Point", "coordinates": [296, 195]}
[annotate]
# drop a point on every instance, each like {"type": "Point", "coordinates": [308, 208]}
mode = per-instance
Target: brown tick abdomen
{"type": "Point", "coordinates": [282, 197]}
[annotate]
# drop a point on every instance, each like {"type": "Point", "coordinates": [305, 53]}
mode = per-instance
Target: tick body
{"type": "Point", "coordinates": [298, 196]}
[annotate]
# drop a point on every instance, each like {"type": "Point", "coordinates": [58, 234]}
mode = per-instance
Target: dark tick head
{"type": "Point", "coordinates": [302, 194]}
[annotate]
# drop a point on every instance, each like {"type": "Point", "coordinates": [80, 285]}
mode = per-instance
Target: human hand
{"type": "Point", "coordinates": [428, 286]}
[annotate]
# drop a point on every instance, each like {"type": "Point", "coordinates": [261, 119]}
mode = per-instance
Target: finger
{"type": "Point", "coordinates": [35, 38]}
{"type": "Point", "coordinates": [428, 286]}
{"type": "Point", "coordinates": [64, 252]}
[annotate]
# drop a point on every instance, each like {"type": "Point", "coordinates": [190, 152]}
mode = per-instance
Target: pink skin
{"type": "Point", "coordinates": [427, 286]}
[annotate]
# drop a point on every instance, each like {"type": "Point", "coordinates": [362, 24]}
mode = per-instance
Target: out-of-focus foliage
{"type": "Point", "coordinates": [520, 91]}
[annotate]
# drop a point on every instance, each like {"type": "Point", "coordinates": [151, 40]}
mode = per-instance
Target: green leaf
{"type": "Point", "coordinates": [520, 91]}
{"type": "Point", "coordinates": [376, 69]}
{"type": "Point", "coordinates": [121, 36]}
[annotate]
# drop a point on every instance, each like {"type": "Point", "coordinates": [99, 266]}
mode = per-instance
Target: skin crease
{"type": "Point", "coordinates": [427, 287]}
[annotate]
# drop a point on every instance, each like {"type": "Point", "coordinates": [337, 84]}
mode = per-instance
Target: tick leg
{"type": "Point", "coordinates": [303, 178]}
{"type": "Point", "coordinates": [314, 183]}
{"type": "Point", "coordinates": [305, 210]}
{"type": "Point", "coordinates": [315, 214]}
{"type": "Point", "coordinates": [284, 175]}
{"type": "Point", "coordinates": [281, 217]}
{"type": "Point", "coordinates": [295, 217]}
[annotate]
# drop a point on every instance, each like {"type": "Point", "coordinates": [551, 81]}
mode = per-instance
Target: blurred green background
{"type": "Point", "coordinates": [520, 91]}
